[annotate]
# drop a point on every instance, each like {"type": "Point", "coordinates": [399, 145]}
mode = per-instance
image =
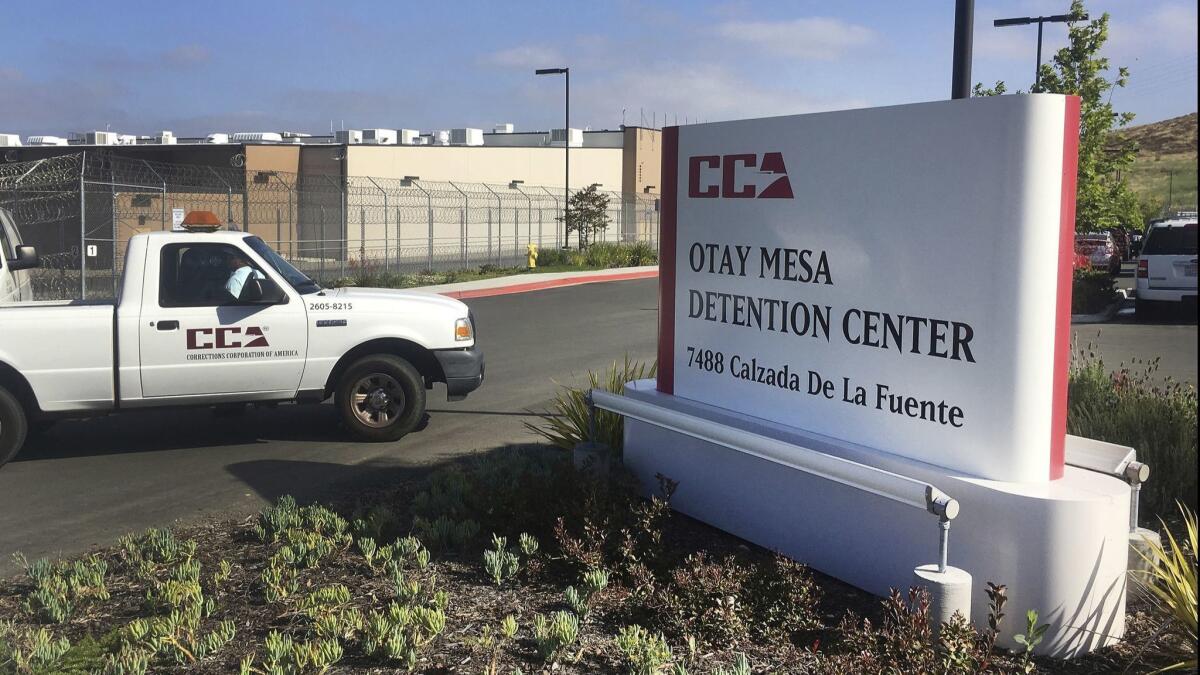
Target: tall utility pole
{"type": "Point", "coordinates": [567, 146]}
{"type": "Point", "coordinates": [964, 20]}
{"type": "Point", "coordinates": [1040, 21]}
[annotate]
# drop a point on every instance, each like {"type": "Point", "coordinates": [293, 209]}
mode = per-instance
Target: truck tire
{"type": "Point", "coordinates": [13, 426]}
{"type": "Point", "coordinates": [381, 398]}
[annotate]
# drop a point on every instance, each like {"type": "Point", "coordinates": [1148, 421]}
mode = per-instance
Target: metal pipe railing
{"type": "Point", "coordinates": [893, 486]}
{"type": "Point", "coordinates": [1113, 460]}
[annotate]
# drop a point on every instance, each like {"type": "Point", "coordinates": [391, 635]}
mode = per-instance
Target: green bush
{"type": "Point", "coordinates": [1092, 290]}
{"type": "Point", "coordinates": [1135, 408]}
{"type": "Point", "coordinates": [566, 425]}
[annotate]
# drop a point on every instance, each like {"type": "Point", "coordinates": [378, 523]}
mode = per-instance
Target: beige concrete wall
{"type": "Point", "coordinates": [643, 160]}
{"type": "Point", "coordinates": [498, 165]}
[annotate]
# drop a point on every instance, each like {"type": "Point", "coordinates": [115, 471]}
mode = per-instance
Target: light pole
{"type": "Point", "coordinates": [1040, 21]}
{"type": "Point", "coordinates": [566, 72]}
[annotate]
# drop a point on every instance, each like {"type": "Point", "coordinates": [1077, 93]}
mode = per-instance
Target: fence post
{"type": "Point", "coordinates": [362, 235]}
{"type": "Point", "coordinates": [462, 224]}
{"type": "Point", "coordinates": [499, 228]}
{"type": "Point", "coordinates": [83, 229]}
{"type": "Point", "coordinates": [386, 254]}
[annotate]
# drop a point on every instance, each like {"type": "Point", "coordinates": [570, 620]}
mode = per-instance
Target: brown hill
{"type": "Point", "coordinates": [1176, 136]}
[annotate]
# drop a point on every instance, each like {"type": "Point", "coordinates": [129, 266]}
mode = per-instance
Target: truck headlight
{"type": "Point", "coordinates": [463, 330]}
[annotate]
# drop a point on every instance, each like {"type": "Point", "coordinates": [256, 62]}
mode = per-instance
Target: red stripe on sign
{"type": "Point", "coordinates": [1066, 254]}
{"type": "Point", "coordinates": [666, 260]}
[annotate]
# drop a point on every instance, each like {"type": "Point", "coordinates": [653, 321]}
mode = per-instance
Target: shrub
{"type": "Point", "coordinates": [59, 588]}
{"type": "Point", "coordinates": [30, 651]}
{"type": "Point", "coordinates": [645, 653]}
{"type": "Point", "coordinates": [704, 599]}
{"type": "Point", "coordinates": [500, 563]}
{"type": "Point", "coordinates": [1133, 408]}
{"type": "Point", "coordinates": [567, 425]}
{"type": "Point", "coordinates": [555, 634]}
{"type": "Point", "coordinates": [1092, 290]}
{"type": "Point", "coordinates": [1171, 585]}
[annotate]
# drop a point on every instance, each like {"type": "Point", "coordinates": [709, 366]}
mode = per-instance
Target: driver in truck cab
{"type": "Point", "coordinates": [240, 271]}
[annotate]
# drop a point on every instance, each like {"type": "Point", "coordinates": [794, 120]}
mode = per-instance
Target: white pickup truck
{"type": "Point", "coordinates": [215, 318]}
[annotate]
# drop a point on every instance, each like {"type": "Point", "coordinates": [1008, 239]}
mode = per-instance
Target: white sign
{"type": "Point", "coordinates": [895, 277]}
{"type": "Point", "coordinates": [177, 220]}
{"type": "Point", "coordinates": [92, 250]}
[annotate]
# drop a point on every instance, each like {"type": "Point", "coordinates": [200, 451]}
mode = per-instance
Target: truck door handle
{"type": "Point", "coordinates": [168, 325]}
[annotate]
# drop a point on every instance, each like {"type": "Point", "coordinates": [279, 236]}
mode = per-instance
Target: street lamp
{"type": "Point", "coordinates": [1040, 21]}
{"type": "Point", "coordinates": [566, 145]}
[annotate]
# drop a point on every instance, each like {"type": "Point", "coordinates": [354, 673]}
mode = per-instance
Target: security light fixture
{"type": "Point", "coordinates": [407, 181]}
{"type": "Point", "coordinates": [1040, 21]}
{"type": "Point", "coordinates": [648, 188]}
{"type": "Point", "coordinates": [512, 184]}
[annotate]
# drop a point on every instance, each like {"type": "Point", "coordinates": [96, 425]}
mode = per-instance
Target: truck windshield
{"type": "Point", "coordinates": [299, 280]}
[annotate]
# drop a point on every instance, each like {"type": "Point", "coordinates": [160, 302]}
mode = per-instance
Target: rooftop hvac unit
{"type": "Point", "coordinates": [557, 136]}
{"type": "Point", "coordinates": [439, 137]}
{"type": "Point", "coordinates": [217, 138]}
{"type": "Point", "coordinates": [466, 136]}
{"type": "Point", "coordinates": [409, 136]}
{"type": "Point", "coordinates": [126, 139]}
{"type": "Point", "coordinates": [294, 134]}
{"type": "Point", "coordinates": [165, 138]}
{"type": "Point", "coordinates": [256, 137]}
{"type": "Point", "coordinates": [421, 140]}
{"type": "Point", "coordinates": [379, 136]}
{"type": "Point", "coordinates": [505, 128]}
{"type": "Point", "coordinates": [100, 138]}
{"type": "Point", "coordinates": [46, 140]}
{"type": "Point", "coordinates": [349, 136]}
{"type": "Point", "coordinates": [9, 140]}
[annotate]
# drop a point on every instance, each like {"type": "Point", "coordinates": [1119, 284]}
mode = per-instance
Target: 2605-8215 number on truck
{"type": "Point", "coordinates": [214, 318]}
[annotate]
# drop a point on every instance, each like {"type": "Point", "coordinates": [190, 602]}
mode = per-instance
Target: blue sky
{"type": "Point", "coordinates": [268, 65]}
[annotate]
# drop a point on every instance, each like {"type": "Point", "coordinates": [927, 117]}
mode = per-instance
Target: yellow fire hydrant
{"type": "Point", "coordinates": [533, 253]}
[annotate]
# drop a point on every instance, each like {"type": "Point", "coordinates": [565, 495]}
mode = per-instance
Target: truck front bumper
{"type": "Point", "coordinates": [463, 369]}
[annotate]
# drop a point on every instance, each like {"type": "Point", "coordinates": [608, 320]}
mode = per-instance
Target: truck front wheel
{"type": "Point", "coordinates": [381, 398]}
{"type": "Point", "coordinates": [13, 426]}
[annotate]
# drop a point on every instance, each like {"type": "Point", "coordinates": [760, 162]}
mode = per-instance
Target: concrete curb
{"type": "Point", "coordinates": [523, 284]}
{"type": "Point", "coordinates": [1106, 315]}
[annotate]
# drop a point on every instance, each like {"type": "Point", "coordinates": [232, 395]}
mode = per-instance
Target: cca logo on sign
{"type": "Point", "coordinates": [228, 337]}
{"type": "Point", "coordinates": [772, 164]}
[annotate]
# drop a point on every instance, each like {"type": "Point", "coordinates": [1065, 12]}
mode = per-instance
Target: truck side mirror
{"type": "Point", "coordinates": [27, 258]}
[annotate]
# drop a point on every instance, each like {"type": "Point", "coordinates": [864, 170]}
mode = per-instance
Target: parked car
{"type": "Point", "coordinates": [1166, 268]}
{"type": "Point", "coordinates": [1101, 250]}
{"type": "Point", "coordinates": [1121, 238]}
{"type": "Point", "coordinates": [216, 318]}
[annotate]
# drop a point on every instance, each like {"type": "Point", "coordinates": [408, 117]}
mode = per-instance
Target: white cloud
{"type": "Point", "coordinates": [817, 38]}
{"type": "Point", "coordinates": [524, 56]}
{"type": "Point", "coordinates": [710, 92]}
{"type": "Point", "coordinates": [1169, 29]}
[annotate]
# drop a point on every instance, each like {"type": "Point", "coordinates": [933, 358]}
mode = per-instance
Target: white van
{"type": "Point", "coordinates": [1166, 271]}
{"type": "Point", "coordinates": [15, 262]}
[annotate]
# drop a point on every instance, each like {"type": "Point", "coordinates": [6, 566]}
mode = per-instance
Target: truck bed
{"type": "Point", "coordinates": [64, 350]}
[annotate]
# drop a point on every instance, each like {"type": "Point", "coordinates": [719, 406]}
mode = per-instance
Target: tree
{"type": "Point", "coordinates": [1103, 198]}
{"type": "Point", "coordinates": [588, 214]}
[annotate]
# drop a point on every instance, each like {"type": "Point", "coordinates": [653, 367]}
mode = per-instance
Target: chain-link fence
{"type": "Point", "coordinates": [79, 210]}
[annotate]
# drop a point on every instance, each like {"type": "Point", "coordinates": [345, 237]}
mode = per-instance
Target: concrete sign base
{"type": "Point", "coordinates": [1060, 546]}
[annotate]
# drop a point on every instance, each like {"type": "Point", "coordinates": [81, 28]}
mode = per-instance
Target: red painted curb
{"type": "Point", "coordinates": [551, 283]}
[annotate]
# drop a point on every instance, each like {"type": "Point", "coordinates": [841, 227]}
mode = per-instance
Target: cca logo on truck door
{"type": "Point", "coordinates": [226, 337]}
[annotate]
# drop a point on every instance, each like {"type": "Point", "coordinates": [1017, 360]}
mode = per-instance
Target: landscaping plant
{"type": "Point", "coordinates": [1133, 407]}
{"type": "Point", "coordinates": [567, 423]}
{"type": "Point", "coordinates": [1171, 583]}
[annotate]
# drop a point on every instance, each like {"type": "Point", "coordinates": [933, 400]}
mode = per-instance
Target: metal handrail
{"type": "Point", "coordinates": [893, 486]}
{"type": "Point", "coordinates": [1112, 460]}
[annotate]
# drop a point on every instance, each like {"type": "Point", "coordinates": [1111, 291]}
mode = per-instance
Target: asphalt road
{"type": "Point", "coordinates": [87, 482]}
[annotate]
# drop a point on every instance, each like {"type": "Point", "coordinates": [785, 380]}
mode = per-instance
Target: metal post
{"type": "Point", "coordinates": [567, 144]}
{"type": "Point", "coordinates": [462, 224]}
{"type": "Point", "coordinates": [362, 235]}
{"type": "Point", "coordinates": [499, 227]}
{"type": "Point", "coordinates": [964, 17]}
{"type": "Point", "coordinates": [1136, 473]}
{"type": "Point", "coordinates": [557, 243]}
{"type": "Point", "coordinates": [429, 214]}
{"type": "Point", "coordinates": [82, 230]}
{"type": "Point", "coordinates": [1037, 68]}
{"type": "Point", "coordinates": [386, 256]}
{"type": "Point", "coordinates": [163, 205]}
{"type": "Point", "coordinates": [943, 542]}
